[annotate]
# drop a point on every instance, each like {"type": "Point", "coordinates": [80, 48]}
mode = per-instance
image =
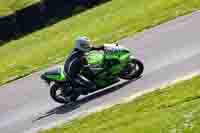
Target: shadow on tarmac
{"type": "Point", "coordinates": [63, 109]}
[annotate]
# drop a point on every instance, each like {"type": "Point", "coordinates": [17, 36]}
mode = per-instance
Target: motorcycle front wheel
{"type": "Point", "coordinates": [134, 70]}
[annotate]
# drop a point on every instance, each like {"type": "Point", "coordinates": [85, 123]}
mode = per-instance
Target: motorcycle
{"type": "Point", "coordinates": [104, 67]}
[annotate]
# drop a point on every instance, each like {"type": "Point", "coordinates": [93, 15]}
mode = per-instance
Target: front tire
{"type": "Point", "coordinates": [134, 70]}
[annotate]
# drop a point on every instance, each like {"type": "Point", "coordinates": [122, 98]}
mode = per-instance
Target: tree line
{"type": "Point", "coordinates": [40, 15]}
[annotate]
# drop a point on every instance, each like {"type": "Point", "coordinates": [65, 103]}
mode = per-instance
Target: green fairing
{"type": "Point", "coordinates": [95, 58]}
{"type": "Point", "coordinates": [122, 56]}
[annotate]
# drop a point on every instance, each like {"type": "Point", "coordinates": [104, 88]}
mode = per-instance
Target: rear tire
{"type": "Point", "coordinates": [53, 94]}
{"type": "Point", "coordinates": [128, 73]}
{"type": "Point", "coordinates": [64, 98]}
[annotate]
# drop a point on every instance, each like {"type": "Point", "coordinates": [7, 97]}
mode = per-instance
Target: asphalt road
{"type": "Point", "coordinates": [169, 51]}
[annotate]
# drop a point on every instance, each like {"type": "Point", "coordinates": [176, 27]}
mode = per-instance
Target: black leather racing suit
{"type": "Point", "coordinates": [73, 65]}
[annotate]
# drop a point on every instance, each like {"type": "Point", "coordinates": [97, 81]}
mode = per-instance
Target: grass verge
{"type": "Point", "coordinates": [175, 109]}
{"type": "Point", "coordinates": [10, 6]}
{"type": "Point", "coordinates": [106, 23]}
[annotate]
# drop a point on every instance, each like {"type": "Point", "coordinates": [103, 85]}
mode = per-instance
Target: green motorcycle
{"type": "Point", "coordinates": [103, 68]}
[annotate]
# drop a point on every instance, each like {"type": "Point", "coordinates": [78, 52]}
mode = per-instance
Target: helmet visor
{"type": "Point", "coordinates": [85, 46]}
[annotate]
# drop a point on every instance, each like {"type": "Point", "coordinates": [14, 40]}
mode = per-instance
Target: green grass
{"type": "Point", "coordinates": [106, 23]}
{"type": "Point", "coordinates": [10, 6]}
{"type": "Point", "coordinates": [175, 109]}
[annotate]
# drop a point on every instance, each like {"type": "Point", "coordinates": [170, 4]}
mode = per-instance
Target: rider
{"type": "Point", "coordinates": [76, 61]}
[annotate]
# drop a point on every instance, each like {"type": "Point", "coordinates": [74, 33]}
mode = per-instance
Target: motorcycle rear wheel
{"type": "Point", "coordinates": [62, 97]}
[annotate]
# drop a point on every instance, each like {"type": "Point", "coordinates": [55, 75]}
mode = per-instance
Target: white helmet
{"type": "Point", "coordinates": [83, 43]}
